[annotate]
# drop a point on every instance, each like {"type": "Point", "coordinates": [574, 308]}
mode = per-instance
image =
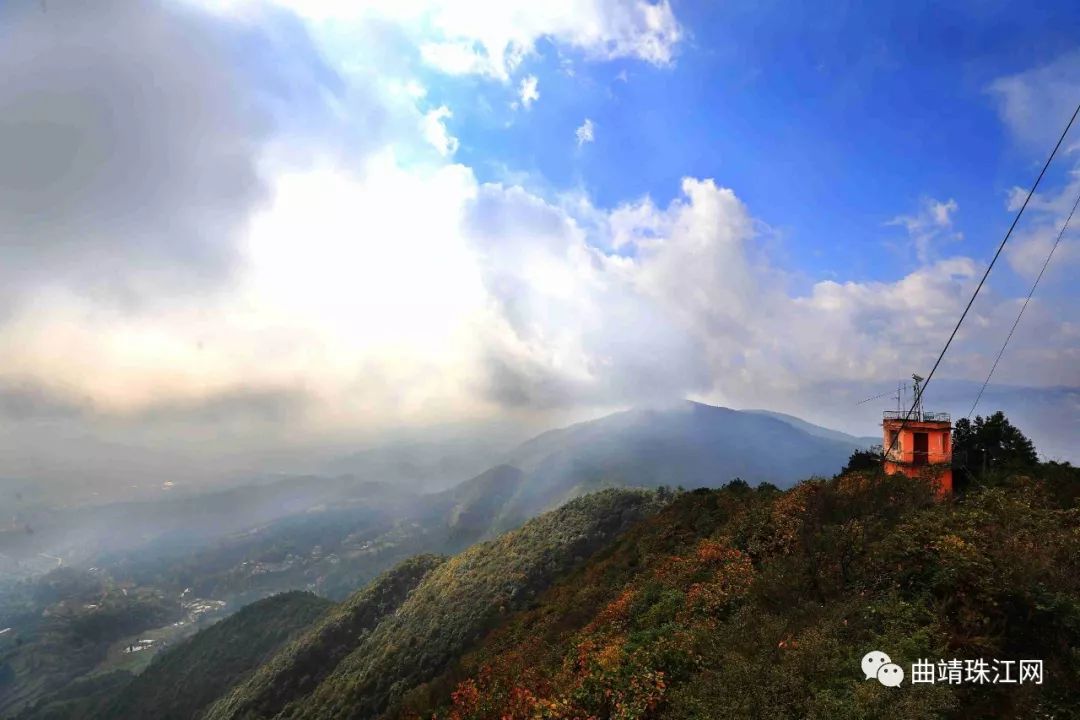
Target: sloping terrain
{"type": "Point", "coordinates": [332, 551]}
{"type": "Point", "coordinates": [181, 681]}
{"type": "Point", "coordinates": [430, 464]}
{"type": "Point", "coordinates": [729, 603]}
{"type": "Point", "coordinates": [301, 665]}
{"type": "Point", "coordinates": [449, 610]}
{"type": "Point", "coordinates": [744, 603]}
{"type": "Point", "coordinates": [340, 546]}
{"type": "Point", "coordinates": [690, 444]}
{"type": "Point", "coordinates": [185, 522]}
{"type": "Point", "coordinates": [332, 535]}
{"type": "Point", "coordinates": [856, 442]}
{"type": "Point", "coordinates": [67, 631]}
{"type": "Point", "coordinates": [250, 650]}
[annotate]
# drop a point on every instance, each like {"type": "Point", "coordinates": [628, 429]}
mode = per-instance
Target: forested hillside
{"type": "Point", "coordinates": [689, 444]}
{"type": "Point", "coordinates": [300, 666]}
{"type": "Point", "coordinates": [451, 608]}
{"type": "Point", "coordinates": [345, 540]}
{"type": "Point", "coordinates": [185, 679]}
{"type": "Point", "coordinates": [743, 603]}
{"type": "Point", "coordinates": [726, 603]}
{"type": "Point", "coordinates": [181, 681]}
{"type": "Point", "coordinates": [64, 627]}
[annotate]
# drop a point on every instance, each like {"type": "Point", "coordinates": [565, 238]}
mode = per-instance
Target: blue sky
{"type": "Point", "coordinates": [300, 223]}
{"type": "Point", "coordinates": [829, 121]}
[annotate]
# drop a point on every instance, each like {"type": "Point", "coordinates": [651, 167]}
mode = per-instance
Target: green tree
{"type": "Point", "coordinates": [737, 485]}
{"type": "Point", "coordinates": [991, 443]}
{"type": "Point", "coordinates": [862, 460]}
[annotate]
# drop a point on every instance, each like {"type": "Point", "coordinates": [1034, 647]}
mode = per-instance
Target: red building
{"type": "Point", "coordinates": [921, 447]}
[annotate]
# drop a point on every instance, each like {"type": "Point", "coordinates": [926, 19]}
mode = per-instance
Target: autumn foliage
{"type": "Point", "coordinates": [739, 603]}
{"type": "Point", "coordinates": [610, 672]}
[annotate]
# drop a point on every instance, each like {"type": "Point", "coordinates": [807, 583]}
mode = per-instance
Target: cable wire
{"type": "Point", "coordinates": [874, 398]}
{"type": "Point", "coordinates": [1023, 307]}
{"type": "Point", "coordinates": [1008, 234]}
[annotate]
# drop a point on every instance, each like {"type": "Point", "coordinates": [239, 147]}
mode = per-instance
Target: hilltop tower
{"type": "Point", "coordinates": [921, 447]}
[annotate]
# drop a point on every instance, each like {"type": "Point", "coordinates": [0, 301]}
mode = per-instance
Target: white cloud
{"type": "Point", "coordinates": [408, 294]}
{"type": "Point", "coordinates": [691, 304]}
{"type": "Point", "coordinates": [463, 57]}
{"type": "Point", "coordinates": [126, 205]}
{"type": "Point", "coordinates": [418, 291]}
{"type": "Point", "coordinates": [634, 223]}
{"type": "Point", "coordinates": [528, 91]}
{"type": "Point", "coordinates": [1036, 104]}
{"type": "Point", "coordinates": [493, 38]}
{"type": "Point", "coordinates": [1028, 252]}
{"type": "Point", "coordinates": [584, 133]}
{"type": "Point", "coordinates": [435, 132]}
{"type": "Point", "coordinates": [384, 285]}
{"type": "Point", "coordinates": [930, 227]}
{"type": "Point", "coordinates": [933, 214]}
{"type": "Point", "coordinates": [1043, 221]}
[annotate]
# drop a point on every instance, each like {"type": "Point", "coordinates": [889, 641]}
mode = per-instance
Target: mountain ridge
{"type": "Point", "coordinates": [688, 444]}
{"type": "Point", "coordinates": [860, 441]}
{"type": "Point", "coordinates": [449, 609]}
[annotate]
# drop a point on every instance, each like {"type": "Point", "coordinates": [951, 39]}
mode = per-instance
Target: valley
{"type": "Point", "coordinates": [200, 558]}
{"type": "Point", "coordinates": [518, 360]}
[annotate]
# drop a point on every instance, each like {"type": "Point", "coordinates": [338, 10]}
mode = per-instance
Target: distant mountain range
{"type": "Point", "coordinates": [407, 637]}
{"type": "Point", "coordinates": [715, 603]}
{"type": "Point", "coordinates": [819, 431]}
{"type": "Point", "coordinates": [295, 654]}
{"type": "Point", "coordinates": [427, 465]}
{"type": "Point", "coordinates": [689, 445]}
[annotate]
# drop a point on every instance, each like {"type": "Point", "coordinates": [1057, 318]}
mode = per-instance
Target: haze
{"type": "Point", "coordinates": [249, 238]}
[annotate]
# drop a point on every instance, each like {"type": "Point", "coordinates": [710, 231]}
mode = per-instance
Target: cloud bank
{"type": "Point", "coordinates": [193, 269]}
{"type": "Point", "coordinates": [129, 165]}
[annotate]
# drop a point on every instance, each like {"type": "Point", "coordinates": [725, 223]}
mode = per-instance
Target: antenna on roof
{"type": "Point", "coordinates": [917, 408]}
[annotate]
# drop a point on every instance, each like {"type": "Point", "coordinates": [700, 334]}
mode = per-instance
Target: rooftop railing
{"type": "Point", "coordinates": [917, 417]}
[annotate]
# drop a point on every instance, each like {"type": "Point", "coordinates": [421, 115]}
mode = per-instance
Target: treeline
{"type": "Point", "coordinates": [63, 640]}
{"type": "Point", "coordinates": [745, 603]}
{"type": "Point", "coordinates": [729, 603]}
{"type": "Point", "coordinates": [983, 450]}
